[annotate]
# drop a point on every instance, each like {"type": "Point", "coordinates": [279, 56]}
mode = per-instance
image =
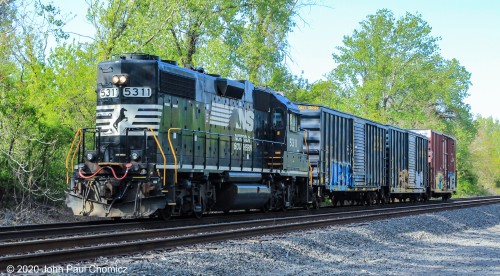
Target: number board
{"type": "Point", "coordinates": [138, 92]}
{"type": "Point", "coordinates": [108, 92]}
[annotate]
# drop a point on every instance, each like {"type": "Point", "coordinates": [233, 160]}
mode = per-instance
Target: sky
{"type": "Point", "coordinates": [469, 31]}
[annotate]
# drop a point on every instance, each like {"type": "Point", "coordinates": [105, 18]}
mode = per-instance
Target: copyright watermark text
{"type": "Point", "coordinates": [55, 269]}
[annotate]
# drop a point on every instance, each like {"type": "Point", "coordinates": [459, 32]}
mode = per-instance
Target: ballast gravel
{"type": "Point", "coordinates": [461, 242]}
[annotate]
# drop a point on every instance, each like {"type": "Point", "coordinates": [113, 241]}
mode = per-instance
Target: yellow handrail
{"type": "Point", "coordinates": [78, 134]}
{"type": "Point", "coordinates": [163, 155]}
{"type": "Point", "coordinates": [173, 152]}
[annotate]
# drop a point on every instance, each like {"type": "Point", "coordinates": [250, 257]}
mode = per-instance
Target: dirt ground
{"type": "Point", "coordinates": [39, 214]}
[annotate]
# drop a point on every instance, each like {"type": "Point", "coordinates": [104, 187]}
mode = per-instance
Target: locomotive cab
{"type": "Point", "coordinates": [115, 160]}
{"type": "Point", "coordinates": [286, 131]}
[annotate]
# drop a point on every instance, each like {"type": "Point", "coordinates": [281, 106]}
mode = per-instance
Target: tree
{"type": "Point", "coordinates": [242, 39]}
{"type": "Point", "coordinates": [30, 139]}
{"type": "Point", "coordinates": [485, 153]}
{"type": "Point", "coordinates": [390, 70]}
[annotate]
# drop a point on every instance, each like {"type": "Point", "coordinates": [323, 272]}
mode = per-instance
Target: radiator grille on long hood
{"type": "Point", "coordinates": [177, 85]}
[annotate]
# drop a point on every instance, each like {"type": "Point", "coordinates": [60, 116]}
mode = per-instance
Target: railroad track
{"type": "Point", "coordinates": [29, 232]}
{"type": "Point", "coordinates": [67, 249]}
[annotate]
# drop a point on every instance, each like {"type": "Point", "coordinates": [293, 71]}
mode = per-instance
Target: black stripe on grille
{"type": "Point", "coordinates": [149, 109]}
{"type": "Point", "coordinates": [148, 116]}
{"type": "Point", "coordinates": [145, 123]}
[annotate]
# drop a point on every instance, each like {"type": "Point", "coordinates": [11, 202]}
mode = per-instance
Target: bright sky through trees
{"type": "Point", "coordinates": [469, 32]}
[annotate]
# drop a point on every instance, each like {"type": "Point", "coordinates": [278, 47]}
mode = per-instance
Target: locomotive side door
{"type": "Point", "coordinates": [278, 119]}
{"type": "Point", "coordinates": [278, 137]}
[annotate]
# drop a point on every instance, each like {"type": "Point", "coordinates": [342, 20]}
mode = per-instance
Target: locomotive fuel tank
{"type": "Point", "coordinates": [242, 196]}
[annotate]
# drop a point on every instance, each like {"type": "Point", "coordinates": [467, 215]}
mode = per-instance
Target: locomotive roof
{"type": "Point", "coordinates": [199, 71]}
{"type": "Point", "coordinates": [290, 105]}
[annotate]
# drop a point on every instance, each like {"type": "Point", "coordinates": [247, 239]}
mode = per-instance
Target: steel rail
{"type": "Point", "coordinates": [61, 229]}
{"type": "Point", "coordinates": [199, 236]}
{"type": "Point", "coordinates": [71, 242]}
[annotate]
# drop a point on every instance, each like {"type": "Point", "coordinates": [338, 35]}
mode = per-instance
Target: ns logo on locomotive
{"type": "Point", "coordinates": [177, 141]}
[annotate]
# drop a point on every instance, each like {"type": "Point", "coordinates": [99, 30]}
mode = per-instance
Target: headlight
{"type": "Point", "coordinates": [123, 79]}
{"type": "Point", "coordinates": [91, 156]}
{"type": "Point", "coordinates": [135, 156]}
{"type": "Point", "coordinates": [119, 79]}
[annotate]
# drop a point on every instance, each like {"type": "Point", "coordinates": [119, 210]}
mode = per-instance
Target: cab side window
{"type": "Point", "coordinates": [278, 118]}
{"type": "Point", "coordinates": [293, 122]}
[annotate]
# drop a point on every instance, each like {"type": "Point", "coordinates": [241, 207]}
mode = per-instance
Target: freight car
{"type": "Point", "coordinates": [442, 164]}
{"type": "Point", "coordinates": [171, 140]}
{"type": "Point", "coordinates": [347, 155]}
{"type": "Point", "coordinates": [407, 167]}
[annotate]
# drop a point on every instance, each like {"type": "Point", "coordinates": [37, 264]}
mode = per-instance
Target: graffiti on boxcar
{"type": "Point", "coordinates": [439, 181]}
{"type": "Point", "coordinates": [403, 178]}
{"type": "Point", "coordinates": [341, 175]}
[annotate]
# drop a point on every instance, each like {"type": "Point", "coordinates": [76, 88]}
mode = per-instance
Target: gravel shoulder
{"type": "Point", "coordinates": [462, 242]}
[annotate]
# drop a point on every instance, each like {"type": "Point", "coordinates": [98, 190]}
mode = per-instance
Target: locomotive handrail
{"type": "Point", "coordinates": [78, 134]}
{"type": "Point", "coordinates": [164, 158]}
{"type": "Point", "coordinates": [253, 141]}
{"type": "Point", "coordinates": [173, 152]}
{"type": "Point", "coordinates": [219, 135]}
{"type": "Point", "coordinates": [228, 135]}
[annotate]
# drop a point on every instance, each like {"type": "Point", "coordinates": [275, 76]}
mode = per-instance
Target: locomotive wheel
{"type": "Point", "coordinates": [166, 213]}
{"type": "Point", "coordinates": [316, 203]}
{"type": "Point", "coordinates": [199, 214]}
{"type": "Point", "coordinates": [266, 207]}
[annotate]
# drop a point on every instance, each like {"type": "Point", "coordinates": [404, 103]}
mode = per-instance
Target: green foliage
{"type": "Point", "coordinates": [32, 138]}
{"type": "Point", "coordinates": [485, 154]}
{"type": "Point", "coordinates": [390, 70]}
{"type": "Point", "coordinates": [236, 38]}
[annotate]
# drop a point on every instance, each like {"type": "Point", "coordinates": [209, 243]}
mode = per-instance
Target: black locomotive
{"type": "Point", "coordinates": [178, 141]}
{"type": "Point", "coordinates": [175, 141]}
